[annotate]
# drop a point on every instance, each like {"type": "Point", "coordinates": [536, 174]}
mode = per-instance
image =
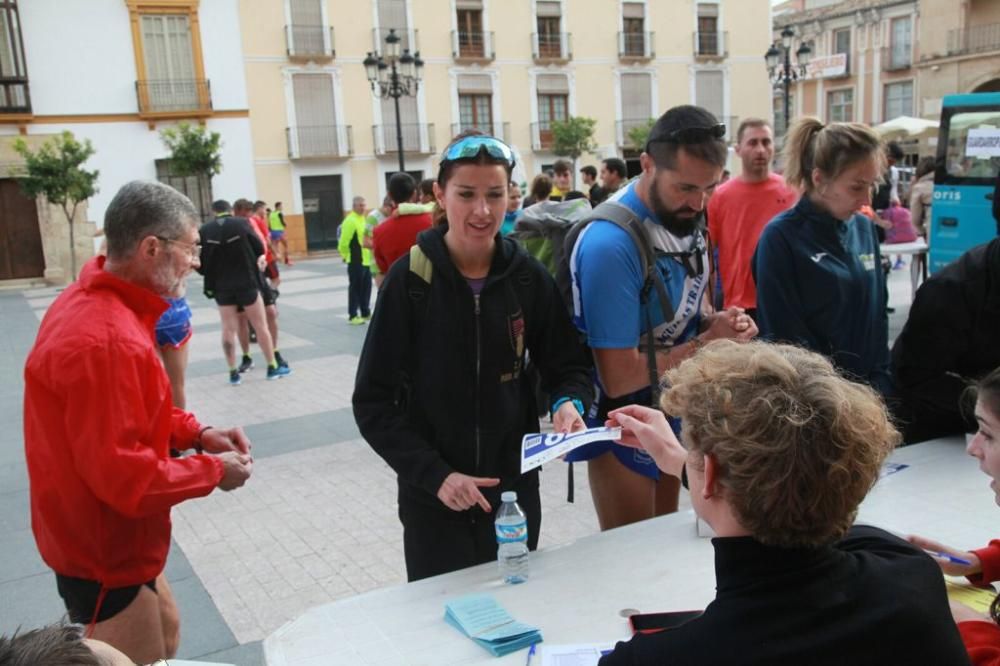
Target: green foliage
{"type": "Point", "coordinates": [56, 170]}
{"type": "Point", "coordinates": [639, 135]}
{"type": "Point", "coordinates": [573, 137]}
{"type": "Point", "coordinates": [194, 151]}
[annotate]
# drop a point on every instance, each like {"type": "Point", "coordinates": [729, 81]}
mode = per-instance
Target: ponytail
{"type": "Point", "coordinates": [830, 148]}
{"type": "Point", "coordinates": [798, 151]}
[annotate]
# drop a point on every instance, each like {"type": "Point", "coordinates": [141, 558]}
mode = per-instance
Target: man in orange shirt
{"type": "Point", "coordinates": [740, 208]}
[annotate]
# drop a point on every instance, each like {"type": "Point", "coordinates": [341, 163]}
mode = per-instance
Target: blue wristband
{"type": "Point", "coordinates": [559, 403]}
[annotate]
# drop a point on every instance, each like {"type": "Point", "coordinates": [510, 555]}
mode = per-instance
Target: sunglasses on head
{"type": "Point", "coordinates": [693, 134]}
{"type": "Point", "coordinates": [470, 147]}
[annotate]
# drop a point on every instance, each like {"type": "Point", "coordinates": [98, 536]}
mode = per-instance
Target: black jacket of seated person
{"type": "Point", "coordinates": [440, 389]}
{"type": "Point", "coordinates": [951, 338]}
{"type": "Point", "coordinates": [869, 600]}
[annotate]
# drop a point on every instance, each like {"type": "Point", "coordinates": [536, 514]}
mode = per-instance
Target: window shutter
{"type": "Point", "coordinates": [306, 12]}
{"type": "Point", "coordinates": [547, 9]}
{"type": "Point", "coordinates": [469, 4]}
{"type": "Point", "coordinates": [708, 91]}
{"type": "Point", "coordinates": [313, 95]}
{"type": "Point", "coordinates": [552, 84]}
{"type": "Point", "coordinates": [636, 97]}
{"type": "Point", "coordinates": [633, 10]}
{"type": "Point", "coordinates": [708, 9]}
{"type": "Point", "coordinates": [475, 84]}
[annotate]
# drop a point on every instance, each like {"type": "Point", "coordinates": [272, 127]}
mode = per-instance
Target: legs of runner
{"type": "Point", "coordinates": [622, 496]}
{"type": "Point", "coordinates": [271, 312]}
{"type": "Point", "coordinates": [230, 325]}
{"type": "Point", "coordinates": [255, 313]}
{"type": "Point", "coordinates": [149, 627]}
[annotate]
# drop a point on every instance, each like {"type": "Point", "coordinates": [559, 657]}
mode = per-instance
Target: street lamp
{"type": "Point", "coordinates": [779, 66]}
{"type": "Point", "coordinates": [395, 75]}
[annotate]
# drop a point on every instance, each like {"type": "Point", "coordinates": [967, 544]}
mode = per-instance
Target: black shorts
{"type": "Point", "coordinates": [80, 597]}
{"type": "Point", "coordinates": [268, 293]}
{"type": "Point", "coordinates": [239, 298]}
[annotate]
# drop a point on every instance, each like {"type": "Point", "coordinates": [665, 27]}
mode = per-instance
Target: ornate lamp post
{"type": "Point", "coordinates": [394, 75]}
{"type": "Point", "coordinates": [781, 71]}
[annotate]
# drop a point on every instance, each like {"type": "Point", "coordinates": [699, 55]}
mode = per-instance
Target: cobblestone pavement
{"type": "Point", "coordinates": [317, 521]}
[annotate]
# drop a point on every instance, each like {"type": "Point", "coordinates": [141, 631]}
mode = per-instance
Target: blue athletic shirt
{"type": "Point", "coordinates": [607, 283]}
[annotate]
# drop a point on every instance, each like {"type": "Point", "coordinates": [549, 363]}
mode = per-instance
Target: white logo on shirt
{"type": "Point", "coordinates": [817, 257]}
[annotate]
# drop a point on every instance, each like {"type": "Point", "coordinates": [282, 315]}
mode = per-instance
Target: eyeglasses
{"type": "Point", "coordinates": [696, 134]}
{"type": "Point", "coordinates": [193, 249]}
{"type": "Point", "coordinates": [470, 147]}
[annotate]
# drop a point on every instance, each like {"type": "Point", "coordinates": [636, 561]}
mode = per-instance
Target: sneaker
{"type": "Point", "coordinates": [278, 372]}
{"type": "Point", "coordinates": [899, 264]}
{"type": "Point", "coordinates": [357, 321]}
{"type": "Point", "coordinates": [234, 378]}
{"type": "Point", "coordinates": [280, 359]}
{"type": "Point", "coordinates": [366, 317]}
{"type": "Point", "coordinates": [245, 364]}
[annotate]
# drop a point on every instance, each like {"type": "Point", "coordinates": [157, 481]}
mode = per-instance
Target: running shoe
{"type": "Point", "coordinates": [246, 364]}
{"type": "Point", "coordinates": [280, 359]}
{"type": "Point", "coordinates": [899, 264]}
{"type": "Point", "coordinates": [234, 378]}
{"type": "Point", "coordinates": [357, 321]}
{"type": "Point", "coordinates": [278, 372]}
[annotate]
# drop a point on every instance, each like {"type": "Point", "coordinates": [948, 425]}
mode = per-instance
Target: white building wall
{"type": "Point", "coordinates": [221, 40]}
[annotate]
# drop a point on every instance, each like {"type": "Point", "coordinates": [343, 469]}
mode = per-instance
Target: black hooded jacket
{"type": "Point", "coordinates": [440, 385]}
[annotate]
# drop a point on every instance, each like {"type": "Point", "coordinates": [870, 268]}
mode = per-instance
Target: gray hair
{"type": "Point", "coordinates": [141, 209]}
{"type": "Point", "coordinates": [357, 200]}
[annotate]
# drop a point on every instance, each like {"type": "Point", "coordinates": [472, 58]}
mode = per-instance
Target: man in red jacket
{"type": "Point", "coordinates": [99, 424]}
{"type": "Point", "coordinates": [397, 234]}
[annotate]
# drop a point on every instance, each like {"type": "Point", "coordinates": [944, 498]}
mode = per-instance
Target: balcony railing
{"type": "Point", "coordinates": [174, 97]}
{"type": "Point", "coordinates": [977, 39]}
{"type": "Point", "coordinates": [472, 46]}
{"type": "Point", "coordinates": [499, 130]}
{"type": "Point", "coordinates": [408, 39]}
{"type": "Point", "coordinates": [636, 45]}
{"type": "Point", "coordinates": [711, 44]}
{"type": "Point", "coordinates": [417, 138]}
{"type": "Point", "coordinates": [309, 41]}
{"type": "Point", "coordinates": [541, 135]}
{"type": "Point", "coordinates": [622, 129]}
{"type": "Point", "coordinates": [322, 141]}
{"type": "Point", "coordinates": [14, 97]}
{"type": "Point", "coordinates": [896, 58]}
{"type": "Point", "coordinates": [548, 46]}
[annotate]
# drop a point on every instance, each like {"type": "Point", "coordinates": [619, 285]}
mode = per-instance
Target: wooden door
{"type": "Point", "coordinates": [21, 254]}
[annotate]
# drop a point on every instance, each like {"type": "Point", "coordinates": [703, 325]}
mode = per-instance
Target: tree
{"type": "Point", "coordinates": [194, 151]}
{"type": "Point", "coordinates": [56, 172]}
{"type": "Point", "coordinates": [573, 137]}
{"type": "Point", "coordinates": [639, 135]}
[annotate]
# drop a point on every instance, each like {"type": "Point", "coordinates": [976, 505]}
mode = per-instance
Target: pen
{"type": "Point", "coordinates": [950, 558]}
{"type": "Point", "coordinates": [531, 652]}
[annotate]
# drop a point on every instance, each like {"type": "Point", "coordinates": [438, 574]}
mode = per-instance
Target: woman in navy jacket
{"type": "Point", "coordinates": [819, 277]}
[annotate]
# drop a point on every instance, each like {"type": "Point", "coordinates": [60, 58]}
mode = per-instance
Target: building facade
{"type": "Point", "coordinates": [321, 136]}
{"type": "Point", "coordinates": [116, 72]}
{"type": "Point", "coordinates": [863, 65]}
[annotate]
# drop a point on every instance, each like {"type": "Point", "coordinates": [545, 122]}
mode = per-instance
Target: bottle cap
{"type": "Point", "coordinates": [508, 496]}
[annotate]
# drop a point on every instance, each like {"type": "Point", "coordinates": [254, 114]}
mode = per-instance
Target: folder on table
{"type": "Point", "coordinates": [482, 619]}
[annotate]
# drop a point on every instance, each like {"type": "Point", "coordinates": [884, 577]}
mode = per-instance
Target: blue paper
{"type": "Point", "coordinates": [483, 620]}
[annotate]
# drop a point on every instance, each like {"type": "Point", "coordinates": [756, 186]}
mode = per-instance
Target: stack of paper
{"type": "Point", "coordinates": [483, 620]}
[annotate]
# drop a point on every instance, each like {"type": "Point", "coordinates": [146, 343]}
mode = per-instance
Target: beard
{"type": "Point", "coordinates": [167, 283]}
{"type": "Point", "coordinates": [680, 222]}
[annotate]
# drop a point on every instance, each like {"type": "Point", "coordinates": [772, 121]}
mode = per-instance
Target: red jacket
{"type": "Point", "coordinates": [395, 236]}
{"type": "Point", "coordinates": [260, 226]}
{"type": "Point", "coordinates": [982, 638]}
{"type": "Point", "coordinates": [98, 425]}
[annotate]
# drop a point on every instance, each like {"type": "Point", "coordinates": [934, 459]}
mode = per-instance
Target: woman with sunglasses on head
{"type": "Point", "coordinates": [980, 633]}
{"type": "Point", "coordinates": [817, 265]}
{"type": "Point", "coordinates": [440, 393]}
{"type": "Point", "coordinates": [779, 450]}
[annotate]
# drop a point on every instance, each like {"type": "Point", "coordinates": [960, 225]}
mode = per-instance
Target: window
{"type": "Point", "coordinates": [548, 20]}
{"type": "Point", "coordinates": [898, 100]}
{"type": "Point", "coordinates": [637, 103]}
{"type": "Point", "coordinates": [553, 104]}
{"type": "Point", "coordinates": [778, 107]}
{"type": "Point", "coordinates": [315, 131]}
{"type": "Point", "coordinates": [709, 91]}
{"type": "Point", "coordinates": [470, 33]}
{"type": "Point", "coordinates": [196, 188]}
{"type": "Point", "coordinates": [476, 111]}
{"type": "Point", "coordinates": [840, 105]}
{"type": "Point", "coordinates": [842, 41]}
{"type": "Point", "coordinates": [307, 34]}
{"type": "Point", "coordinates": [409, 113]}
{"type": "Point", "coordinates": [392, 14]}
{"type": "Point", "coordinates": [13, 74]}
{"type": "Point", "coordinates": [902, 43]}
{"type": "Point", "coordinates": [171, 81]}
{"type": "Point", "coordinates": [708, 42]}
{"type": "Point", "coordinates": [633, 32]}
{"type": "Point", "coordinates": [963, 166]}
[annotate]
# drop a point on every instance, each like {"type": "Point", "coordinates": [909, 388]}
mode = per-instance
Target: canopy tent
{"type": "Point", "coordinates": [907, 127]}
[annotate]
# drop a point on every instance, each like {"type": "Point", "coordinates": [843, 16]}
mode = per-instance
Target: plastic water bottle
{"type": "Point", "coordinates": [512, 540]}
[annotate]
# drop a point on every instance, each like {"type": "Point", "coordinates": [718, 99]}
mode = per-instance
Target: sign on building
{"type": "Point", "coordinates": [822, 67]}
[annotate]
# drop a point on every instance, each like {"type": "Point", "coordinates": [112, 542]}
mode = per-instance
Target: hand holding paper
{"type": "Point", "coordinates": [647, 428]}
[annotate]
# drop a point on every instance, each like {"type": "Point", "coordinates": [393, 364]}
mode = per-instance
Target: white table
{"type": "Point", "coordinates": [918, 267]}
{"type": "Point", "coordinates": [576, 591]}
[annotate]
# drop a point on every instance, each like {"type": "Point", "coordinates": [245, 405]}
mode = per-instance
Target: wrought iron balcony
{"type": "Point", "coordinates": [550, 46]}
{"type": "Point", "coordinates": [895, 59]}
{"type": "Point", "coordinates": [636, 45]}
{"type": "Point", "coordinates": [318, 142]}
{"type": "Point", "coordinates": [314, 42]}
{"type": "Point", "coordinates": [472, 46]}
{"type": "Point", "coordinates": [541, 135]}
{"type": "Point", "coordinates": [624, 127]}
{"type": "Point", "coordinates": [174, 97]}
{"type": "Point", "coordinates": [977, 39]}
{"type": "Point", "coordinates": [711, 44]}
{"type": "Point", "coordinates": [499, 130]}
{"type": "Point", "coordinates": [417, 138]}
{"type": "Point", "coordinates": [408, 39]}
{"type": "Point", "coordinates": [14, 96]}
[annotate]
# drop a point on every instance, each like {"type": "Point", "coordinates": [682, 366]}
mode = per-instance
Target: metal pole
{"type": "Point", "coordinates": [396, 92]}
{"type": "Point", "coordinates": [788, 85]}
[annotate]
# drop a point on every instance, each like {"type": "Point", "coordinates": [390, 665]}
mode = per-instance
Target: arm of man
{"type": "Point", "coordinates": [779, 305]}
{"type": "Point", "coordinates": [346, 231]}
{"type": "Point", "coordinates": [379, 408]}
{"type": "Point", "coordinates": [110, 434]}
